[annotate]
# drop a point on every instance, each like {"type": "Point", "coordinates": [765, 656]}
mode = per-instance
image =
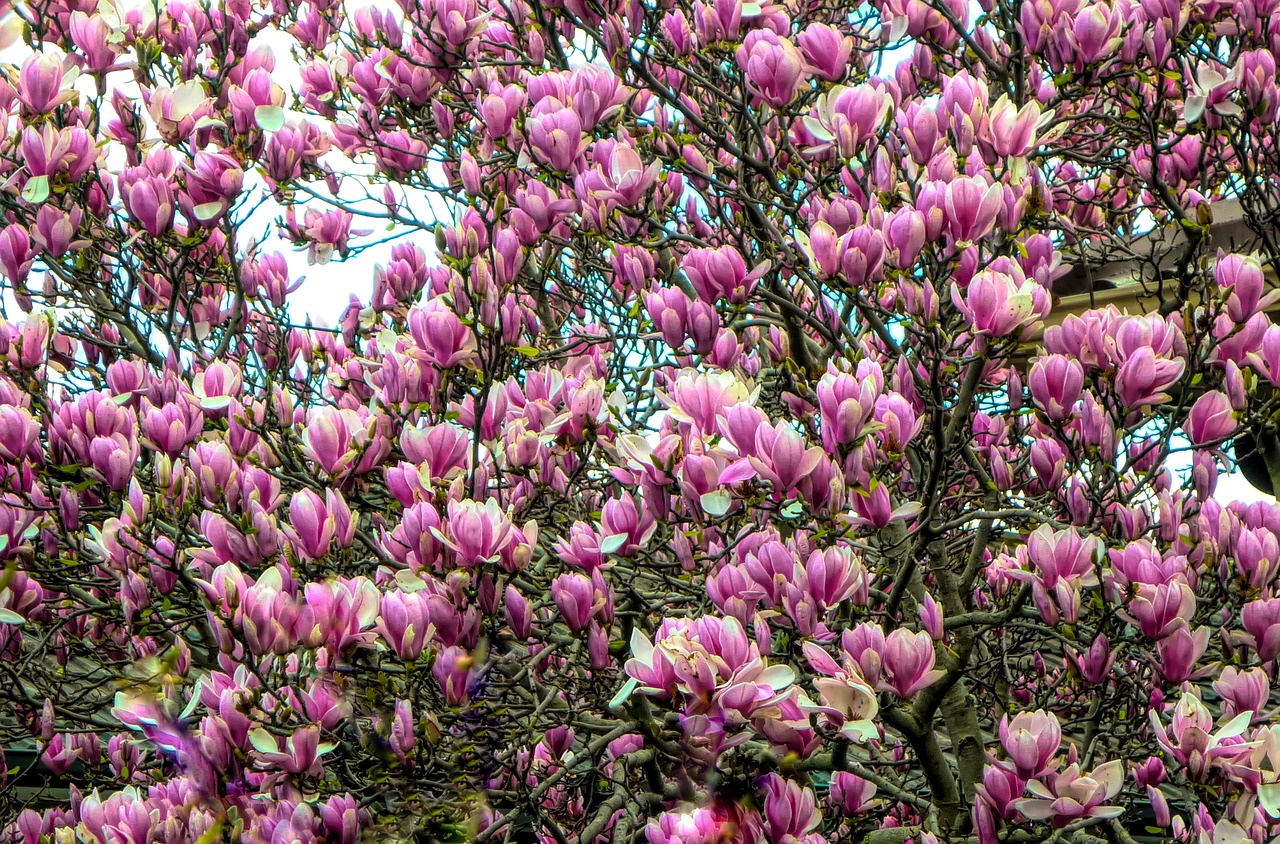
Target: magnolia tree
{"type": "Point", "coordinates": [703, 474]}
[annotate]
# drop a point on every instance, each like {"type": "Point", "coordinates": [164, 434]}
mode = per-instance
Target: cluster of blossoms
{"type": "Point", "coordinates": [729, 458]}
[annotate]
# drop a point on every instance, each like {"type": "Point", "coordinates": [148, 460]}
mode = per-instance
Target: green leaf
{"type": "Point", "coordinates": [36, 190]}
{"type": "Point", "coordinates": [270, 118]}
{"type": "Point", "coordinates": [11, 617]}
{"type": "Point", "coordinates": [612, 543]}
{"type": "Point", "coordinates": [716, 503]}
{"type": "Point", "coordinates": [208, 211]}
{"type": "Point", "coordinates": [624, 693]}
{"type": "Point", "coordinates": [263, 741]}
{"type": "Point", "coordinates": [1269, 797]}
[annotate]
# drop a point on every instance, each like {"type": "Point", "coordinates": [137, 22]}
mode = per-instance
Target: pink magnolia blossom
{"type": "Point", "coordinates": [998, 304]}
{"type": "Point", "coordinates": [1071, 795]}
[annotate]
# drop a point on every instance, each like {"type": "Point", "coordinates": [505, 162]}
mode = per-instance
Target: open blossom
{"type": "Point", "coordinates": [1211, 92]}
{"type": "Point", "coordinates": [1191, 741]}
{"type": "Point", "coordinates": [325, 233]}
{"type": "Point", "coordinates": [848, 700]}
{"type": "Point", "coordinates": [1001, 304]}
{"type": "Point", "coordinates": [700, 825]}
{"type": "Point", "coordinates": [49, 153]}
{"type": "Point", "coordinates": [847, 118]}
{"type": "Point", "coordinates": [176, 110]}
{"type": "Point", "coordinates": [709, 661]}
{"type": "Point", "coordinates": [1071, 795]}
{"type": "Point", "coordinates": [301, 752]}
{"type": "Point", "coordinates": [213, 181]}
{"type": "Point", "coordinates": [782, 456]}
{"type": "Point", "coordinates": [1160, 608]}
{"type": "Point", "coordinates": [1063, 555]}
{"type": "Point", "coordinates": [628, 177]}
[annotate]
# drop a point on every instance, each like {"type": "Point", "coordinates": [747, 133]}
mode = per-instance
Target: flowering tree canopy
{"type": "Point", "coordinates": [704, 473]}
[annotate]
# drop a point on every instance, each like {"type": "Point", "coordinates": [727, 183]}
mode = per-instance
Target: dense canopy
{"type": "Point", "coordinates": [696, 466]}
